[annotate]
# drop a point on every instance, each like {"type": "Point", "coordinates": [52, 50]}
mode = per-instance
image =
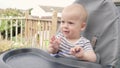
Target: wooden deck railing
{"type": "Point", "coordinates": [28, 31]}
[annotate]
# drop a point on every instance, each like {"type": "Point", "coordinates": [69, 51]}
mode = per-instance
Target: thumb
{"type": "Point", "coordinates": [53, 38]}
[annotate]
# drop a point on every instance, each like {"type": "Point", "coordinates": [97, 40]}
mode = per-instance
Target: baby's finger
{"type": "Point", "coordinates": [72, 51]}
{"type": "Point", "coordinates": [77, 49]}
{"type": "Point", "coordinates": [58, 41]}
{"type": "Point", "coordinates": [53, 38]}
{"type": "Point", "coordinates": [51, 42]}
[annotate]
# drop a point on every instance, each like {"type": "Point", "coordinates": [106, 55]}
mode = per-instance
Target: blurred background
{"type": "Point", "coordinates": [30, 23]}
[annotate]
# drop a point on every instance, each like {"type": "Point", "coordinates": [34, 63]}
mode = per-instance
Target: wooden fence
{"type": "Point", "coordinates": [28, 31]}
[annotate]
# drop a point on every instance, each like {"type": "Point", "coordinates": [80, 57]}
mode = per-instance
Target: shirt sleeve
{"type": "Point", "coordinates": [87, 45]}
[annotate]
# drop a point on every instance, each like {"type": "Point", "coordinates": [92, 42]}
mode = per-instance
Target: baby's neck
{"type": "Point", "coordinates": [73, 40]}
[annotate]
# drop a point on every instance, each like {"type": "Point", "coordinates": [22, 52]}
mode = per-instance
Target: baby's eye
{"type": "Point", "coordinates": [62, 21]}
{"type": "Point", "coordinates": [70, 22]}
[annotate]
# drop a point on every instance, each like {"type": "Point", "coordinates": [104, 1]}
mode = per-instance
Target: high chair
{"type": "Point", "coordinates": [103, 29]}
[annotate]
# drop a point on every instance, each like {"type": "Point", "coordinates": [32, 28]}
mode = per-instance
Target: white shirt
{"type": "Point", "coordinates": [65, 45]}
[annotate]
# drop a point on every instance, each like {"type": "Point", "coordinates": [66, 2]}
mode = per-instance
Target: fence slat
{"type": "Point", "coordinates": [16, 30]}
{"type": "Point", "coordinates": [6, 31]}
{"type": "Point", "coordinates": [11, 32]}
{"type": "Point", "coordinates": [21, 25]}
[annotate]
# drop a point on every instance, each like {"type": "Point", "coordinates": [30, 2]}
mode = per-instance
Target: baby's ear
{"type": "Point", "coordinates": [83, 26]}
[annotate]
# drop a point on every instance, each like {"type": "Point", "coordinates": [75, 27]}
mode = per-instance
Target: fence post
{"type": "Point", "coordinates": [26, 24]}
{"type": "Point", "coordinates": [54, 23]}
{"type": "Point", "coordinates": [0, 31]}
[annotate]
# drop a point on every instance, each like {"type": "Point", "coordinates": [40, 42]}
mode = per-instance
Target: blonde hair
{"type": "Point", "coordinates": [78, 8]}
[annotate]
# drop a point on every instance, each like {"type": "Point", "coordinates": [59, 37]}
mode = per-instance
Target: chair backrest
{"type": "Point", "coordinates": [104, 24]}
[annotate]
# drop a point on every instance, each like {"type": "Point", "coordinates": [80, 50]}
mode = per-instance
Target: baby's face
{"type": "Point", "coordinates": [71, 25]}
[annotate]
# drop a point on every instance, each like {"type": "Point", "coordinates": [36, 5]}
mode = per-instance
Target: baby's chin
{"type": "Point", "coordinates": [66, 35]}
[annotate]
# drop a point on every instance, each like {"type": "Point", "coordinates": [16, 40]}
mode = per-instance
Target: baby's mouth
{"type": "Point", "coordinates": [65, 32]}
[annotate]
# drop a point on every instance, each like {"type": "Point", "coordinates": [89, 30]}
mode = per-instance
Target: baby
{"type": "Point", "coordinates": [69, 42]}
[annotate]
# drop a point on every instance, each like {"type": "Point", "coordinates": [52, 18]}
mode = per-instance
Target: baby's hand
{"type": "Point", "coordinates": [54, 44]}
{"type": "Point", "coordinates": [77, 51]}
